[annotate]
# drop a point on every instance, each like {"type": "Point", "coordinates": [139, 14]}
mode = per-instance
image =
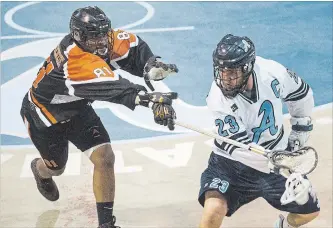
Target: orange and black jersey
{"type": "Point", "coordinates": [72, 78]}
{"type": "Point", "coordinates": [128, 52]}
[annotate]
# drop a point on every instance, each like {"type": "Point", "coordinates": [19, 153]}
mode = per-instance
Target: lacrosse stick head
{"type": "Point", "coordinates": [302, 161]}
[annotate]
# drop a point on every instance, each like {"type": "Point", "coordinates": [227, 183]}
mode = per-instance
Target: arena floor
{"type": "Point", "coordinates": [157, 185]}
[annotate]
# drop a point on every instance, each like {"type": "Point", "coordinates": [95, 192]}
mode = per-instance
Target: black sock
{"type": "Point", "coordinates": [104, 212]}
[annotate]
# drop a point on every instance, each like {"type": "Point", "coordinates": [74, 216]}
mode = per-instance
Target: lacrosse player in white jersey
{"type": "Point", "coordinates": [246, 101]}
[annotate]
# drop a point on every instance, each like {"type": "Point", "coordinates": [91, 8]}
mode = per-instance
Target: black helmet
{"type": "Point", "coordinates": [233, 59]}
{"type": "Point", "coordinates": [89, 27]}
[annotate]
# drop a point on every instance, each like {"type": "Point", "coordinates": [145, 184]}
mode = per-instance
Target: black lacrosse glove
{"type": "Point", "coordinates": [148, 99]}
{"type": "Point", "coordinates": [165, 115]}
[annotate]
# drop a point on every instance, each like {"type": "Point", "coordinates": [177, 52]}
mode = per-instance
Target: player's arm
{"type": "Point", "coordinates": [146, 64]}
{"type": "Point", "coordinates": [140, 60]}
{"type": "Point", "coordinates": [96, 81]}
{"type": "Point", "coordinates": [112, 89]}
{"type": "Point", "coordinates": [298, 97]}
{"type": "Point", "coordinates": [297, 94]}
{"type": "Point", "coordinates": [138, 55]}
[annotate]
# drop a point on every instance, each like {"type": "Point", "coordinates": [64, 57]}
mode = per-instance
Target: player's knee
{"type": "Point", "coordinates": [315, 214]}
{"type": "Point", "coordinates": [301, 219]}
{"type": "Point", "coordinates": [57, 172]}
{"type": "Point", "coordinates": [311, 216]}
{"type": "Point", "coordinates": [103, 157]}
{"type": "Point", "coordinates": [215, 203]}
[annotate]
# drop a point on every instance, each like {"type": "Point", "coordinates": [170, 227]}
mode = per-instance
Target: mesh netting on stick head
{"type": "Point", "coordinates": [302, 161]}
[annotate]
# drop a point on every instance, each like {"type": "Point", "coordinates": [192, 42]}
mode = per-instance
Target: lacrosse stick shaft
{"type": "Point", "coordinates": [218, 137]}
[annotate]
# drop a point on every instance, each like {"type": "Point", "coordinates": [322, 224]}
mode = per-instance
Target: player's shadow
{"type": "Point", "coordinates": [47, 219]}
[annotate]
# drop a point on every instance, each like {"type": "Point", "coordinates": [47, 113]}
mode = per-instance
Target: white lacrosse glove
{"type": "Point", "coordinates": [155, 70]}
{"type": "Point", "coordinates": [301, 127]}
{"type": "Point", "coordinates": [297, 189]}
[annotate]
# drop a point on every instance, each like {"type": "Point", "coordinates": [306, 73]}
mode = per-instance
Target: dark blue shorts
{"type": "Point", "coordinates": [240, 184]}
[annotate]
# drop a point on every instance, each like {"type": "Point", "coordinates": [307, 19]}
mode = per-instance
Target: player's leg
{"type": "Point", "coordinates": [226, 185]}
{"type": "Point", "coordinates": [295, 220]}
{"type": "Point", "coordinates": [103, 181]}
{"type": "Point", "coordinates": [53, 149]}
{"type": "Point", "coordinates": [90, 136]}
{"type": "Point", "coordinates": [215, 209]}
{"type": "Point", "coordinates": [273, 188]}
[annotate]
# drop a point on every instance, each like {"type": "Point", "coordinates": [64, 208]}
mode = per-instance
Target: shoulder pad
{"type": "Point", "coordinates": [121, 42]}
{"type": "Point", "coordinates": [83, 66]}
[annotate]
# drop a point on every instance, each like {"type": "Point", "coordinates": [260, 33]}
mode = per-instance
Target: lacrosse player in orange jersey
{"type": "Point", "coordinates": [57, 108]}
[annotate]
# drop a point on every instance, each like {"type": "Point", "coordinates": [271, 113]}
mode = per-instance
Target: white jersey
{"type": "Point", "coordinates": [258, 119]}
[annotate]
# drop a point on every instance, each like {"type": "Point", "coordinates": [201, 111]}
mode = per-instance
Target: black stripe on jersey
{"type": "Point", "coordinates": [254, 98]}
{"type": "Point", "coordinates": [245, 98]}
{"type": "Point", "coordinates": [304, 90]}
{"type": "Point", "coordinates": [238, 135]}
{"type": "Point", "coordinates": [272, 143]}
{"type": "Point", "coordinates": [278, 139]}
{"type": "Point", "coordinates": [300, 93]}
{"type": "Point", "coordinates": [301, 88]}
{"type": "Point", "coordinates": [229, 148]}
{"type": "Point", "coordinates": [256, 86]}
{"type": "Point", "coordinates": [300, 96]}
{"type": "Point", "coordinates": [242, 140]}
{"type": "Point", "coordinates": [222, 146]}
{"type": "Point", "coordinates": [232, 149]}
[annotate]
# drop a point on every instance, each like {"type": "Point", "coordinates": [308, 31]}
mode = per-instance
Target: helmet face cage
{"type": "Point", "coordinates": [232, 80]}
{"type": "Point", "coordinates": [97, 43]}
{"type": "Point", "coordinates": [90, 27]}
{"type": "Point", "coordinates": [233, 62]}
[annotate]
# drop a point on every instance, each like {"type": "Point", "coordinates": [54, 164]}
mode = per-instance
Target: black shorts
{"type": "Point", "coordinates": [84, 131]}
{"type": "Point", "coordinates": [240, 184]}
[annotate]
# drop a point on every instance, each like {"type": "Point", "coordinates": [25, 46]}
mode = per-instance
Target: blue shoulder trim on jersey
{"type": "Point", "coordinates": [300, 93]}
